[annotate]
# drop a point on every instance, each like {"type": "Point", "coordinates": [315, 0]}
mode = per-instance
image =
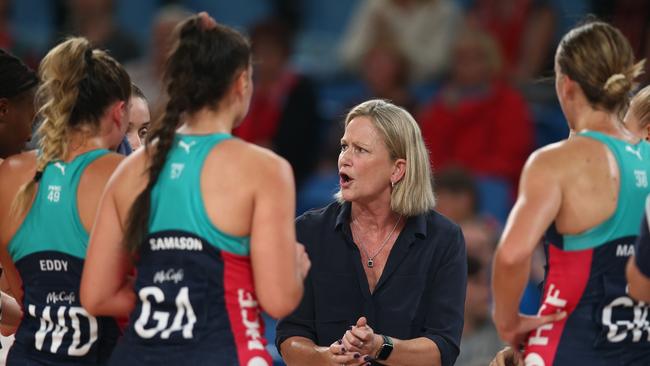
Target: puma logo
{"type": "Point", "coordinates": [636, 152]}
{"type": "Point", "coordinates": [186, 146]}
{"type": "Point", "coordinates": [61, 167]}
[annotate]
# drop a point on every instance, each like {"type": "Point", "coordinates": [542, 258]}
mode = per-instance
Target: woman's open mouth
{"type": "Point", "coordinates": [345, 180]}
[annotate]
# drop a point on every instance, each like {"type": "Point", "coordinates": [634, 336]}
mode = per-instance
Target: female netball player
{"type": "Point", "coordinates": [587, 193]}
{"type": "Point", "coordinates": [48, 201]}
{"type": "Point", "coordinates": [206, 219]}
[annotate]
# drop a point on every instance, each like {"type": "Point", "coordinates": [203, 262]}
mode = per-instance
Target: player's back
{"type": "Point", "coordinates": [48, 251]}
{"type": "Point", "coordinates": [586, 267]}
{"type": "Point", "coordinates": [196, 302]}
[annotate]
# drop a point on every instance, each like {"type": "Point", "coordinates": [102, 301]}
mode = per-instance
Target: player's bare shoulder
{"type": "Point", "coordinates": [250, 161]}
{"type": "Point", "coordinates": [17, 169]}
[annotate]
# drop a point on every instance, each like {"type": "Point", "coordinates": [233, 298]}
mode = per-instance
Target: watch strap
{"type": "Point", "coordinates": [385, 349]}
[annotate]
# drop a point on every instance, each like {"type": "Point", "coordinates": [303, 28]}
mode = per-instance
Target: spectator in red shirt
{"type": "Point", "coordinates": [478, 121]}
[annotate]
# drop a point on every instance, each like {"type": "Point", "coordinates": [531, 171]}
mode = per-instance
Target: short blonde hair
{"type": "Point", "coordinates": [640, 106]}
{"type": "Point", "coordinates": [413, 195]}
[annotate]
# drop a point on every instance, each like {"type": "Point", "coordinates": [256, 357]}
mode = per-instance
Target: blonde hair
{"type": "Point", "coordinates": [62, 108]}
{"type": "Point", "coordinates": [413, 195]}
{"type": "Point", "coordinates": [640, 106]}
{"type": "Point", "coordinates": [600, 59]}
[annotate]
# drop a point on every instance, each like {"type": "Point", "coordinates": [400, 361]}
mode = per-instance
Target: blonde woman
{"type": "Point", "coordinates": [388, 277]}
{"type": "Point", "coordinates": [48, 202]}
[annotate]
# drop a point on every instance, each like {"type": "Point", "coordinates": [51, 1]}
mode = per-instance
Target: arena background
{"type": "Point", "coordinates": [476, 74]}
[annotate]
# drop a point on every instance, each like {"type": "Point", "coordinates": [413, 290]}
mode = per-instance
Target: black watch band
{"type": "Point", "coordinates": [385, 349]}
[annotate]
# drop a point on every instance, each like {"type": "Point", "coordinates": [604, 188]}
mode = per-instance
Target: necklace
{"type": "Point", "coordinates": [371, 258]}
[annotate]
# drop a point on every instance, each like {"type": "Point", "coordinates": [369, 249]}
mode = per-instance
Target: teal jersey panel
{"type": "Point", "coordinates": [633, 162]}
{"type": "Point", "coordinates": [176, 200]}
{"type": "Point", "coordinates": [53, 223]}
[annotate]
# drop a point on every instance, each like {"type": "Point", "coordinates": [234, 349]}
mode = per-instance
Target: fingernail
{"type": "Point", "coordinates": [339, 341]}
{"type": "Point", "coordinates": [356, 355]}
{"type": "Point", "coordinates": [367, 358]}
{"type": "Point", "coordinates": [343, 349]}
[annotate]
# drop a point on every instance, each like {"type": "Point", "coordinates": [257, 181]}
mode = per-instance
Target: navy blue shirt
{"type": "Point", "coordinates": [421, 292]}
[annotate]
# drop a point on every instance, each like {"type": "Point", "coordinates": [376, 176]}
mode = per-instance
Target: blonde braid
{"type": "Point", "coordinates": [60, 72]}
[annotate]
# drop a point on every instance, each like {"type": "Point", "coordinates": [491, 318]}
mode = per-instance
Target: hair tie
{"type": "Point", "coordinates": [38, 176]}
{"type": "Point", "coordinates": [612, 79]}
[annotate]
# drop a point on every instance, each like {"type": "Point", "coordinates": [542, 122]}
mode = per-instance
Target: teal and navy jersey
{"type": "Point", "coordinates": [585, 276]}
{"type": "Point", "coordinates": [49, 250]}
{"type": "Point", "coordinates": [196, 303]}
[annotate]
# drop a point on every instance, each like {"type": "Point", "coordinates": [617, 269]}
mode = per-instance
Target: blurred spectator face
{"type": "Point", "coordinates": [271, 57]}
{"type": "Point", "coordinates": [474, 60]}
{"type": "Point", "coordinates": [16, 117]}
{"type": "Point", "coordinates": [457, 206]}
{"type": "Point", "coordinates": [91, 7]}
{"type": "Point", "coordinates": [478, 293]}
{"type": "Point", "coordinates": [139, 120]}
{"type": "Point", "coordinates": [384, 69]}
{"type": "Point", "coordinates": [271, 41]}
{"type": "Point", "coordinates": [162, 40]}
{"type": "Point", "coordinates": [480, 240]}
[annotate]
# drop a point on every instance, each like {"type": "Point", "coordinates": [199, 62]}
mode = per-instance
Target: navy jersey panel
{"type": "Point", "coordinates": [604, 326]}
{"type": "Point", "coordinates": [195, 307]}
{"type": "Point", "coordinates": [55, 329]}
{"type": "Point", "coordinates": [642, 250]}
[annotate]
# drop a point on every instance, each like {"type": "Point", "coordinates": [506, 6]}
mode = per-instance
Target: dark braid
{"type": "Point", "coordinates": [200, 70]}
{"type": "Point", "coordinates": [138, 224]}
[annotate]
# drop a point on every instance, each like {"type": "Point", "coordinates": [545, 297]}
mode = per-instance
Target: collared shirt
{"type": "Point", "coordinates": [421, 292]}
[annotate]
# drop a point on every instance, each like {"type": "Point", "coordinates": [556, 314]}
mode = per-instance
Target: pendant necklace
{"type": "Point", "coordinates": [371, 259]}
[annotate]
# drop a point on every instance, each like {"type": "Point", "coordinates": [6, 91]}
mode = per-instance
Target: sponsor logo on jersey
{"type": "Point", "coordinates": [61, 296]}
{"type": "Point", "coordinates": [185, 146]}
{"type": "Point", "coordinates": [636, 152]}
{"type": "Point", "coordinates": [169, 275]}
{"type": "Point", "coordinates": [175, 243]}
{"type": "Point", "coordinates": [250, 319]}
{"type": "Point", "coordinates": [61, 167]}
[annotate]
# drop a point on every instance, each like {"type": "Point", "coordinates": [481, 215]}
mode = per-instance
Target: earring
{"type": "Point", "coordinates": [392, 184]}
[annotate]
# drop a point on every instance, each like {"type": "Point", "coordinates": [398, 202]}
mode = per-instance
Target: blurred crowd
{"type": "Point", "coordinates": [477, 74]}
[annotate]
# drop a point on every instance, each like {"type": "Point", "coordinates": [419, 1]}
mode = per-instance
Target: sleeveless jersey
{"type": "Point", "coordinates": [49, 250]}
{"type": "Point", "coordinates": [195, 296]}
{"type": "Point", "coordinates": [585, 276]}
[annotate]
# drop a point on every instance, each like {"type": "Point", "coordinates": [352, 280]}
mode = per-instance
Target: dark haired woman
{"type": "Point", "coordinates": [206, 219]}
{"type": "Point", "coordinates": [48, 202]}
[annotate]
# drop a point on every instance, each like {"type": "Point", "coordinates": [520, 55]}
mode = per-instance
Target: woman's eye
{"type": "Point", "coordinates": [142, 133]}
